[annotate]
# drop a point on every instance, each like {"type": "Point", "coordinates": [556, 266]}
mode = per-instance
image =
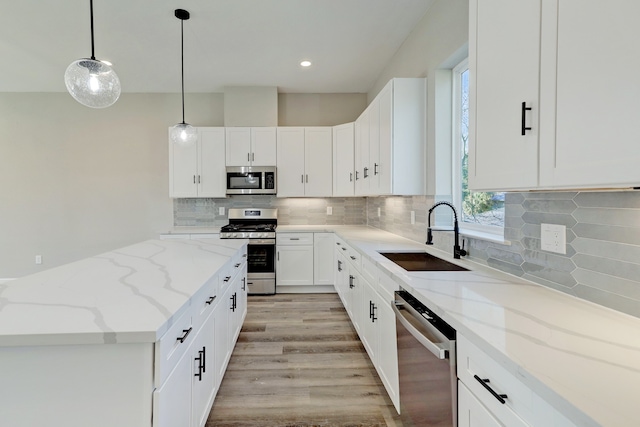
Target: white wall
{"type": "Point", "coordinates": [76, 181]}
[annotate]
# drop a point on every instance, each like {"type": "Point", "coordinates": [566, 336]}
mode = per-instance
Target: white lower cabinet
{"type": "Point", "coordinates": [323, 247]}
{"type": "Point", "coordinates": [294, 260]}
{"type": "Point", "coordinates": [305, 262]}
{"type": "Point", "coordinates": [368, 304]}
{"type": "Point", "coordinates": [496, 394]}
{"type": "Point", "coordinates": [472, 413]}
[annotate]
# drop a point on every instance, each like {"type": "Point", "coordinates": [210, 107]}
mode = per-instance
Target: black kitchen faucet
{"type": "Point", "coordinates": [457, 251]}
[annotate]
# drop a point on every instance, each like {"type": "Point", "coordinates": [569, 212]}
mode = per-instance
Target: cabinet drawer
{"type": "Point", "coordinates": [370, 272]}
{"type": "Point", "coordinates": [172, 345]}
{"type": "Point", "coordinates": [294, 239]}
{"type": "Point", "coordinates": [472, 363]}
{"type": "Point", "coordinates": [203, 302]}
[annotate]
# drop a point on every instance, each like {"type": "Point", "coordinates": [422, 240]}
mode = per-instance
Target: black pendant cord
{"type": "Point", "coordinates": [182, 62]}
{"type": "Point", "coordinates": [92, 45]}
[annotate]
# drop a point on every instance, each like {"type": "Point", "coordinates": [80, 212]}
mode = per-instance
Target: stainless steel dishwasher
{"type": "Point", "coordinates": [426, 365]}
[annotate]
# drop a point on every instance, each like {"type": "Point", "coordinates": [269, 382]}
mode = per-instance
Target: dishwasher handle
{"type": "Point", "coordinates": [438, 350]}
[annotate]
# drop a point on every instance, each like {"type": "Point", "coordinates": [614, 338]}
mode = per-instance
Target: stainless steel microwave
{"type": "Point", "coordinates": [251, 180]}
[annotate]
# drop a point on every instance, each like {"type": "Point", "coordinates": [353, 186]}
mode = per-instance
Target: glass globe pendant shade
{"type": "Point", "coordinates": [92, 83]}
{"type": "Point", "coordinates": [183, 134]}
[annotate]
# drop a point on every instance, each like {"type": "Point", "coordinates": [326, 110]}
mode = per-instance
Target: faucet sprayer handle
{"type": "Point", "coordinates": [429, 237]}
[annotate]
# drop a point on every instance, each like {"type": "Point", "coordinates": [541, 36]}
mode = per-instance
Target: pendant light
{"type": "Point", "coordinates": [92, 82]}
{"type": "Point", "coordinates": [183, 133]}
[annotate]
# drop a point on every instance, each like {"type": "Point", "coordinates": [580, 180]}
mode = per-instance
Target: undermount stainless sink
{"type": "Point", "coordinates": [421, 261]}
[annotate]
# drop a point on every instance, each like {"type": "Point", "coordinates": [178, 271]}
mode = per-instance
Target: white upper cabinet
{"type": "Point", "coordinates": [544, 68]}
{"type": "Point", "coordinates": [586, 60]}
{"type": "Point", "coordinates": [504, 73]}
{"type": "Point", "coordinates": [254, 146]}
{"type": "Point", "coordinates": [198, 170]}
{"type": "Point", "coordinates": [391, 139]}
{"type": "Point", "coordinates": [343, 160]}
{"type": "Point", "coordinates": [305, 162]}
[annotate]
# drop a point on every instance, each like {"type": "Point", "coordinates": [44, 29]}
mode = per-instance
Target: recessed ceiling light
{"type": "Point", "coordinates": [305, 63]}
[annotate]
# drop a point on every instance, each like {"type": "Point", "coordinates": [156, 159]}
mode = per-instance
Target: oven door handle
{"type": "Point", "coordinates": [437, 349]}
{"type": "Point", "coordinates": [262, 242]}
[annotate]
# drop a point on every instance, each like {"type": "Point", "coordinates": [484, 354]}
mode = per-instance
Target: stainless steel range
{"type": "Point", "coordinates": [259, 226]}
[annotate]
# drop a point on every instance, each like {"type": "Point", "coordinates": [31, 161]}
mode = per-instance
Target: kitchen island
{"type": "Point", "coordinates": [109, 340]}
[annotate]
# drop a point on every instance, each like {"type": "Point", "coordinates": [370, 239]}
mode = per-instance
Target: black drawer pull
{"type": "Point", "coordinates": [352, 257]}
{"type": "Point", "coordinates": [226, 279]}
{"type": "Point", "coordinates": [185, 334]}
{"type": "Point", "coordinates": [210, 300]}
{"type": "Point", "coordinates": [343, 248]}
{"type": "Point", "coordinates": [485, 383]}
{"type": "Point", "coordinates": [237, 265]}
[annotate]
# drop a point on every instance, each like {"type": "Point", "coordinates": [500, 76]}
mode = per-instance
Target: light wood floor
{"type": "Point", "coordinates": [299, 362]}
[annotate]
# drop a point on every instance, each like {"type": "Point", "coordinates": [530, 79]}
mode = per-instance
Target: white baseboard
{"type": "Point", "coordinates": [315, 289]}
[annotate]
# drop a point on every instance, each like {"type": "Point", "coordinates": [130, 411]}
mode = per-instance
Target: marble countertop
{"type": "Point", "coordinates": [127, 295]}
{"type": "Point", "coordinates": [582, 358]}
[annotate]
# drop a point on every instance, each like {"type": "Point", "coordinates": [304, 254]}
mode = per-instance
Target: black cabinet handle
{"type": "Point", "coordinates": [350, 176]}
{"type": "Point", "coordinates": [185, 334]}
{"type": "Point", "coordinates": [351, 278]}
{"type": "Point", "coordinates": [485, 383]}
{"type": "Point", "coordinates": [524, 122]}
{"type": "Point", "coordinates": [352, 257]}
{"type": "Point", "coordinates": [343, 248]}
{"type": "Point", "coordinates": [210, 300]}
{"type": "Point", "coordinates": [244, 283]}
{"type": "Point", "coordinates": [357, 176]}
{"type": "Point", "coordinates": [204, 359]}
{"type": "Point", "coordinates": [339, 265]}
{"type": "Point", "coordinates": [201, 364]}
{"type": "Point", "coordinates": [375, 168]}
{"type": "Point", "coordinates": [226, 279]}
{"type": "Point", "coordinates": [237, 265]}
{"type": "Point", "coordinates": [366, 172]}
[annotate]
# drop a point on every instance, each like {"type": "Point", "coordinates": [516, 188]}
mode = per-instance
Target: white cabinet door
{"type": "Point", "coordinates": [198, 170]}
{"type": "Point", "coordinates": [263, 146]}
{"type": "Point", "coordinates": [387, 363]}
{"type": "Point", "coordinates": [222, 337]}
{"type": "Point", "coordinates": [290, 154]}
{"type": "Point", "coordinates": [318, 162]}
{"type": "Point", "coordinates": [323, 251]}
{"type": "Point", "coordinates": [343, 160]}
{"type": "Point", "coordinates": [172, 401]}
{"type": "Point", "coordinates": [294, 266]}
{"type": "Point", "coordinates": [211, 163]}
{"type": "Point", "coordinates": [238, 146]}
{"type": "Point", "coordinates": [203, 377]}
{"type": "Point", "coordinates": [471, 413]}
{"type": "Point", "coordinates": [504, 68]}
{"type": "Point", "coordinates": [382, 166]}
{"type": "Point", "coordinates": [369, 174]}
{"type": "Point", "coordinates": [362, 153]}
{"type": "Point", "coordinates": [183, 170]}
{"type": "Point", "coordinates": [593, 140]}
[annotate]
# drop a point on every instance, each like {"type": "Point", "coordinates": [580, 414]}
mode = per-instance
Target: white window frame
{"type": "Point", "coordinates": [471, 229]}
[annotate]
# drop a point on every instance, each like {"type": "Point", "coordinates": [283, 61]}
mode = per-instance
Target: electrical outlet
{"type": "Point", "coordinates": [413, 217]}
{"type": "Point", "coordinates": [221, 210]}
{"type": "Point", "coordinates": [38, 259]}
{"type": "Point", "coordinates": [329, 210]}
{"type": "Point", "coordinates": [379, 212]}
{"type": "Point", "coordinates": [553, 238]}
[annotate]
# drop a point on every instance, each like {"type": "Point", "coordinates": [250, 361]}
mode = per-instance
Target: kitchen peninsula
{"type": "Point", "coordinates": [113, 339]}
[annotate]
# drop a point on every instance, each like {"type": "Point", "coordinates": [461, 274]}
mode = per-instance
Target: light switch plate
{"type": "Point", "coordinates": [329, 210]}
{"type": "Point", "coordinates": [553, 238]}
{"type": "Point", "coordinates": [221, 210]}
{"type": "Point", "coordinates": [379, 212]}
{"type": "Point", "coordinates": [413, 217]}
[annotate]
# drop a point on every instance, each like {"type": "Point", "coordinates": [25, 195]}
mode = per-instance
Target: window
{"type": "Point", "coordinates": [478, 210]}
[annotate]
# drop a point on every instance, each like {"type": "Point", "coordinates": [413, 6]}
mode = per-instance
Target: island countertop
{"type": "Point", "coordinates": [123, 296]}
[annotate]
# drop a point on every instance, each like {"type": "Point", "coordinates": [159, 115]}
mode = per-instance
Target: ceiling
{"type": "Point", "coordinates": [227, 42]}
